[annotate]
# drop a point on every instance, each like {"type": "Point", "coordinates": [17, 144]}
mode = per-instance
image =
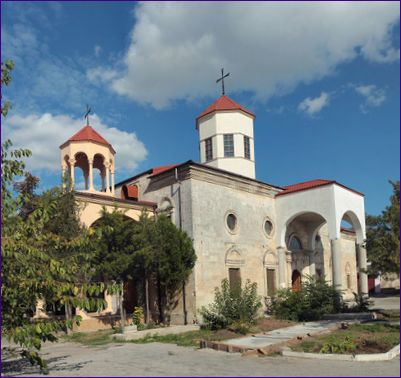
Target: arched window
{"type": "Point", "coordinates": [295, 243]}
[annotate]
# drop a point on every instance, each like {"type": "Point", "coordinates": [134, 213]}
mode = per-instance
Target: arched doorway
{"type": "Point", "coordinates": [296, 280]}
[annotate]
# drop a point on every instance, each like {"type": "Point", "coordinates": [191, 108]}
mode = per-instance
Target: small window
{"type": "Point", "coordinates": [231, 222]}
{"type": "Point", "coordinates": [348, 281]}
{"type": "Point", "coordinates": [247, 148]}
{"type": "Point", "coordinates": [209, 149]}
{"type": "Point", "coordinates": [295, 243]}
{"type": "Point", "coordinates": [228, 145]}
{"type": "Point", "coordinates": [268, 227]}
{"type": "Point", "coordinates": [234, 277]}
{"type": "Point", "coordinates": [271, 282]}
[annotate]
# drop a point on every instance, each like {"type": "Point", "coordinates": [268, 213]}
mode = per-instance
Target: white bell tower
{"type": "Point", "coordinates": [226, 137]}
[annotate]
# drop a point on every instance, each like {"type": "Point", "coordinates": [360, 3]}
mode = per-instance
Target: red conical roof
{"type": "Point", "coordinates": [88, 133]}
{"type": "Point", "coordinates": [224, 103]}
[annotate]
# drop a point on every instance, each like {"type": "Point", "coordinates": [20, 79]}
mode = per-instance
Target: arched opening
{"type": "Point", "coordinates": [296, 280]}
{"type": "Point", "coordinates": [81, 175]}
{"type": "Point", "coordinates": [99, 173]}
{"type": "Point", "coordinates": [129, 192]}
{"type": "Point", "coordinates": [294, 243]}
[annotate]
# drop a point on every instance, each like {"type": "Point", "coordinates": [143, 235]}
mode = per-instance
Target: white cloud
{"type": "Point", "coordinates": [177, 49]}
{"type": "Point", "coordinates": [43, 134]}
{"type": "Point", "coordinates": [373, 95]}
{"type": "Point", "coordinates": [312, 106]}
{"type": "Point", "coordinates": [97, 50]}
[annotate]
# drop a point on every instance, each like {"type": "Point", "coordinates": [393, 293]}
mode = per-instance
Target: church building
{"type": "Point", "coordinates": [242, 228]}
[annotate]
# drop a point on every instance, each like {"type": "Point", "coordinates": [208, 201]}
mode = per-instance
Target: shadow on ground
{"type": "Point", "coordinates": [22, 366]}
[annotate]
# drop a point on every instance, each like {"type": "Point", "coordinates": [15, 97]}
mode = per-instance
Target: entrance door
{"type": "Point", "coordinates": [296, 280]}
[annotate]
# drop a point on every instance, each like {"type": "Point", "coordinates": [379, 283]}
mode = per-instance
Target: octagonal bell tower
{"type": "Point", "coordinates": [226, 137]}
{"type": "Point", "coordinates": [88, 150]}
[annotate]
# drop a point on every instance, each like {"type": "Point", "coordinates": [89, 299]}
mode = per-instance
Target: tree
{"type": "Point", "coordinates": [383, 236]}
{"type": "Point", "coordinates": [38, 260]}
{"type": "Point", "coordinates": [172, 260]}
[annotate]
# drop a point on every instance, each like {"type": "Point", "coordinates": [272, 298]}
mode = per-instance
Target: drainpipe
{"type": "Point", "coordinates": [184, 300]}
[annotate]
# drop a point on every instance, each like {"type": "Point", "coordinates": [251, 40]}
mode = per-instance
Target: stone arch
{"type": "Point", "coordinates": [82, 162]}
{"type": "Point", "coordinates": [270, 259]}
{"type": "Point", "coordinates": [234, 258]}
{"type": "Point", "coordinates": [99, 164]}
{"type": "Point", "coordinates": [294, 243]}
{"type": "Point", "coordinates": [356, 223]}
{"type": "Point", "coordinates": [314, 219]}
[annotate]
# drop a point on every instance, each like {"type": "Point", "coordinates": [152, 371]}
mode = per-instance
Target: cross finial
{"type": "Point", "coordinates": [222, 80]}
{"type": "Point", "coordinates": [88, 112]}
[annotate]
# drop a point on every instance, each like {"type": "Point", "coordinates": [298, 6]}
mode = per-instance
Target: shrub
{"type": "Point", "coordinates": [362, 303]}
{"type": "Point", "coordinates": [315, 299]}
{"type": "Point", "coordinates": [232, 306]}
{"type": "Point", "coordinates": [335, 345]}
{"type": "Point", "coordinates": [137, 316]}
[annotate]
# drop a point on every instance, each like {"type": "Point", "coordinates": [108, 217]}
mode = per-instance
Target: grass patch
{"type": "Point", "coordinates": [91, 338]}
{"type": "Point", "coordinates": [358, 339]}
{"type": "Point", "coordinates": [189, 339]}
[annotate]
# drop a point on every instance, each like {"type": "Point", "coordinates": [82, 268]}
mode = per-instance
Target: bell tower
{"type": "Point", "coordinates": [88, 150]}
{"type": "Point", "coordinates": [226, 137]}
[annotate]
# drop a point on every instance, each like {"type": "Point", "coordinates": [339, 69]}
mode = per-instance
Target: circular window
{"type": "Point", "coordinates": [268, 227]}
{"type": "Point", "coordinates": [231, 221]}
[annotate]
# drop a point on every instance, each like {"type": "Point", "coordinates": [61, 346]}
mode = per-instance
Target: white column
{"type": "Point", "coordinates": [63, 173]}
{"type": "Point", "coordinates": [312, 264]}
{"type": "Point", "coordinates": [90, 174]}
{"type": "Point", "coordinates": [112, 183]}
{"type": "Point", "coordinates": [281, 266]}
{"type": "Point", "coordinates": [336, 257]}
{"type": "Point", "coordinates": [107, 178]}
{"type": "Point", "coordinates": [103, 176]}
{"type": "Point", "coordinates": [362, 267]}
{"type": "Point", "coordinates": [72, 177]}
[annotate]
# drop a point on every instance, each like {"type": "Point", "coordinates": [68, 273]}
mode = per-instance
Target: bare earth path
{"type": "Point", "coordinates": [156, 359]}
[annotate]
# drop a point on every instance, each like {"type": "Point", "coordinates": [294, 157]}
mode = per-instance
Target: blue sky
{"type": "Point", "coordinates": [322, 79]}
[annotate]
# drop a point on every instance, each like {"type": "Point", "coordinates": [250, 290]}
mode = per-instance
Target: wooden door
{"type": "Point", "coordinates": [296, 280]}
{"type": "Point", "coordinates": [271, 282]}
{"type": "Point", "coordinates": [234, 277]}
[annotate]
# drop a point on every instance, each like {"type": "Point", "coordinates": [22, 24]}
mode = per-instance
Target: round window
{"type": "Point", "coordinates": [268, 227]}
{"type": "Point", "coordinates": [231, 222]}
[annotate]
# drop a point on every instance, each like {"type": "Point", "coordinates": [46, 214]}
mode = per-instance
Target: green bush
{"type": "Point", "coordinates": [335, 345]}
{"type": "Point", "coordinates": [232, 306]}
{"type": "Point", "coordinates": [315, 299]}
{"type": "Point", "coordinates": [137, 316]}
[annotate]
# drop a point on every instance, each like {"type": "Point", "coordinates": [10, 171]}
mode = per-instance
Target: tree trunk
{"type": "Point", "coordinates": [68, 316]}
{"type": "Point", "coordinates": [159, 298]}
{"type": "Point", "coordinates": [122, 322]}
{"type": "Point", "coordinates": [147, 300]}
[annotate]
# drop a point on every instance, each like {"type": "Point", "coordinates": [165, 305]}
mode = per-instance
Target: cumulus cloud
{"type": "Point", "coordinates": [311, 106]}
{"type": "Point", "coordinates": [177, 49]}
{"type": "Point", "coordinates": [373, 95]}
{"type": "Point", "coordinates": [44, 133]}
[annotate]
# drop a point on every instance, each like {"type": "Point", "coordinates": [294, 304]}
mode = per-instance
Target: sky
{"type": "Point", "coordinates": [322, 78]}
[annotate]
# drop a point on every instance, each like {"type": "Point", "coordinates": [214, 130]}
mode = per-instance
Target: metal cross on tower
{"type": "Point", "coordinates": [88, 112]}
{"type": "Point", "coordinates": [222, 80]}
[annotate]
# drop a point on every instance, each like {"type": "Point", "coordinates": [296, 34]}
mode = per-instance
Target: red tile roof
{"type": "Point", "coordinates": [163, 168]}
{"type": "Point", "coordinates": [224, 103]}
{"type": "Point", "coordinates": [88, 133]}
{"type": "Point", "coordinates": [310, 185]}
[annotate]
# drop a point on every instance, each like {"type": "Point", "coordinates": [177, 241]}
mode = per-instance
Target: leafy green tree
{"type": "Point", "coordinates": [172, 260]}
{"type": "Point", "coordinates": [383, 236]}
{"type": "Point", "coordinates": [38, 261]}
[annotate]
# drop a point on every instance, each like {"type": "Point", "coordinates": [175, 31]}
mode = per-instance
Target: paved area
{"type": "Point", "coordinates": [385, 302]}
{"type": "Point", "coordinates": [156, 359]}
{"type": "Point", "coordinates": [281, 335]}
